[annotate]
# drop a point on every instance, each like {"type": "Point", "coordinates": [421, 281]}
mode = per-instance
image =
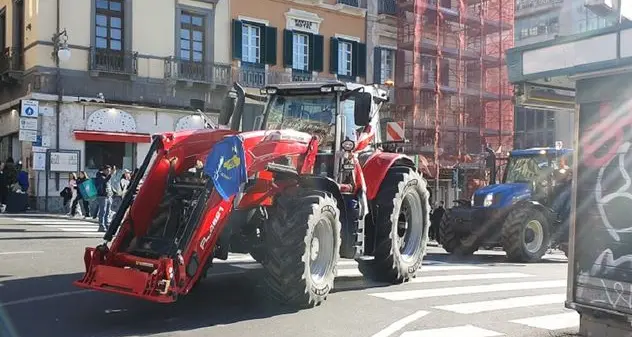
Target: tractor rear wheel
{"type": "Point", "coordinates": [402, 223]}
{"type": "Point", "coordinates": [452, 241]}
{"type": "Point", "coordinates": [302, 243]}
{"type": "Point", "coordinates": [526, 235]}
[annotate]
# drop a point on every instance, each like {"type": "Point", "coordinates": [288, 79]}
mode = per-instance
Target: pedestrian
{"type": "Point", "coordinates": [4, 189]}
{"type": "Point", "coordinates": [435, 220]}
{"type": "Point", "coordinates": [126, 179]}
{"type": "Point", "coordinates": [85, 209]}
{"type": "Point", "coordinates": [105, 192]}
{"type": "Point", "coordinates": [69, 193]}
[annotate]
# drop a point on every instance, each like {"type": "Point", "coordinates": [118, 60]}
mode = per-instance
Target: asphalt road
{"type": "Point", "coordinates": [482, 296]}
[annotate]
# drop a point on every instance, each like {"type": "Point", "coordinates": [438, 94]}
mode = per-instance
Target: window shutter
{"type": "Point", "coordinates": [361, 60]}
{"type": "Point", "coordinates": [270, 45]}
{"type": "Point", "coordinates": [333, 55]}
{"type": "Point", "coordinates": [354, 58]}
{"type": "Point", "coordinates": [377, 65]}
{"type": "Point", "coordinates": [288, 48]}
{"type": "Point", "coordinates": [237, 39]}
{"type": "Point", "coordinates": [310, 55]}
{"type": "Point", "coordinates": [318, 54]}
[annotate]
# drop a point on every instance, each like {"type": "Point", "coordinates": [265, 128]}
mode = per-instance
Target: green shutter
{"type": "Point", "coordinates": [377, 66]}
{"type": "Point", "coordinates": [361, 60]}
{"type": "Point", "coordinates": [318, 54]}
{"type": "Point", "coordinates": [333, 55]}
{"type": "Point", "coordinates": [310, 56]}
{"type": "Point", "coordinates": [354, 61]}
{"type": "Point", "coordinates": [270, 51]}
{"type": "Point", "coordinates": [287, 48]}
{"type": "Point", "coordinates": [237, 39]}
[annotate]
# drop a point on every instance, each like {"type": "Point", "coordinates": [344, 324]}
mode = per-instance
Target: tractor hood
{"type": "Point", "coordinates": [502, 193]}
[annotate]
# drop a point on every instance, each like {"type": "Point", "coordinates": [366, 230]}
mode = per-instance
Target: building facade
{"type": "Point", "coordinates": [276, 41]}
{"type": "Point", "coordinates": [543, 20]}
{"type": "Point", "coordinates": [129, 74]}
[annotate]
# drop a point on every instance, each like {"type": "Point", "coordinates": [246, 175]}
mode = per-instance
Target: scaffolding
{"type": "Point", "coordinates": [451, 83]}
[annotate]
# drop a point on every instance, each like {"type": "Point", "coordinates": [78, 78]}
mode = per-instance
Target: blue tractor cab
{"type": "Point", "coordinates": [521, 213]}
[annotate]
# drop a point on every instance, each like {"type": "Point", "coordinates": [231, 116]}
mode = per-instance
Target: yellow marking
{"type": "Point", "coordinates": [232, 163]}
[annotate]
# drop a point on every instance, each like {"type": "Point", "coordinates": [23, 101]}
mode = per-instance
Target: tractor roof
{"type": "Point", "coordinates": [534, 151]}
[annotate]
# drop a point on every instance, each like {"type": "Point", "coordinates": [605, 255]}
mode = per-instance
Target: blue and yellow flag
{"type": "Point", "coordinates": [226, 166]}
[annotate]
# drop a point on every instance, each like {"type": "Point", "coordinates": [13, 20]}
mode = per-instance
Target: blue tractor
{"type": "Point", "coordinates": [526, 213]}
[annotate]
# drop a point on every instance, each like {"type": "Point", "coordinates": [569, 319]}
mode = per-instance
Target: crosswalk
{"type": "Point", "coordinates": [469, 291]}
{"type": "Point", "coordinates": [58, 223]}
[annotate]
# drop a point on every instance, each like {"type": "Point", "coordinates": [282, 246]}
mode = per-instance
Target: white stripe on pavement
{"type": "Point", "coordinates": [93, 233]}
{"type": "Point", "coordinates": [425, 293]}
{"type": "Point", "coordinates": [468, 277]}
{"type": "Point", "coordinates": [400, 324]}
{"type": "Point", "coordinates": [75, 228]}
{"type": "Point", "coordinates": [456, 331]}
{"type": "Point", "coordinates": [61, 223]}
{"type": "Point", "coordinates": [506, 303]}
{"type": "Point", "coordinates": [448, 267]}
{"type": "Point", "coordinates": [22, 252]}
{"type": "Point", "coordinates": [551, 322]}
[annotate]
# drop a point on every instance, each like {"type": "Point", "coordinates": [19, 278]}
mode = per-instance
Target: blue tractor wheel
{"type": "Point", "coordinates": [526, 234]}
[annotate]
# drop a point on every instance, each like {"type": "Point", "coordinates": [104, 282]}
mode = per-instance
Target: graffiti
{"type": "Point", "coordinates": [604, 227]}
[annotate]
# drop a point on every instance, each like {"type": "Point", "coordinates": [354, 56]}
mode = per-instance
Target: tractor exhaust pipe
{"type": "Point", "coordinates": [491, 164]}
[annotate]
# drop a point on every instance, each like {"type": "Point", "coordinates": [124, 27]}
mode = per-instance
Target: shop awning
{"type": "Point", "coordinates": [115, 137]}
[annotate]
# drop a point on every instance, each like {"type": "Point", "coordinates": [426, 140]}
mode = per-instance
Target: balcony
{"type": "Point", "coordinates": [113, 62]}
{"type": "Point", "coordinates": [353, 3]}
{"type": "Point", "coordinates": [11, 65]}
{"type": "Point", "coordinates": [256, 76]}
{"type": "Point", "coordinates": [198, 72]}
{"type": "Point", "coordinates": [388, 7]}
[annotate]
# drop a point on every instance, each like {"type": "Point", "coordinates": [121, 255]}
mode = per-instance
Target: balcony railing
{"type": "Point", "coordinates": [353, 3]}
{"type": "Point", "coordinates": [387, 7]}
{"type": "Point", "coordinates": [113, 61]}
{"type": "Point", "coordinates": [251, 76]}
{"type": "Point", "coordinates": [11, 61]}
{"type": "Point", "coordinates": [204, 72]}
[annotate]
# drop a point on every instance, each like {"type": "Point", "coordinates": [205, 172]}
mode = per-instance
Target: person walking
{"type": "Point", "coordinates": [4, 189]}
{"type": "Point", "coordinates": [105, 192]}
{"type": "Point", "coordinates": [435, 221]}
{"type": "Point", "coordinates": [85, 210]}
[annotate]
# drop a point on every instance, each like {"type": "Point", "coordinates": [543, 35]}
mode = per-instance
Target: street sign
{"type": "Point", "coordinates": [29, 108]}
{"type": "Point", "coordinates": [27, 135]}
{"type": "Point", "coordinates": [28, 123]}
{"type": "Point", "coordinates": [395, 131]}
{"type": "Point", "coordinates": [43, 141]}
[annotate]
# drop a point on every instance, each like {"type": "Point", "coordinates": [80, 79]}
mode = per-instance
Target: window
{"type": "Point", "coordinates": [300, 56]}
{"type": "Point", "coordinates": [191, 37]}
{"type": "Point", "coordinates": [109, 24]}
{"type": "Point", "coordinates": [251, 43]}
{"type": "Point", "coordinates": [387, 64]}
{"type": "Point", "coordinates": [345, 54]}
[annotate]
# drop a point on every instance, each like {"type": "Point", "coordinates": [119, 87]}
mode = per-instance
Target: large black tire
{"type": "Point", "coordinates": [296, 220]}
{"type": "Point", "coordinates": [452, 241]}
{"type": "Point", "coordinates": [516, 231]}
{"type": "Point", "coordinates": [402, 201]}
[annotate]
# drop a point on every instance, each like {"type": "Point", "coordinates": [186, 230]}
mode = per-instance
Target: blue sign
{"type": "Point", "coordinates": [226, 166]}
{"type": "Point", "coordinates": [29, 111]}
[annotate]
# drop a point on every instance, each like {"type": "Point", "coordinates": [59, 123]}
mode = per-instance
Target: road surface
{"type": "Point", "coordinates": [482, 296]}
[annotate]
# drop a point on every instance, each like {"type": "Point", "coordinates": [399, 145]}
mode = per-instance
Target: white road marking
{"type": "Point", "coordinates": [61, 223]}
{"type": "Point", "coordinates": [551, 322]}
{"type": "Point", "coordinates": [506, 303]}
{"type": "Point", "coordinates": [468, 277]}
{"type": "Point", "coordinates": [400, 324]}
{"type": "Point", "coordinates": [77, 229]}
{"type": "Point", "coordinates": [449, 267]}
{"type": "Point", "coordinates": [456, 331]}
{"type": "Point", "coordinates": [43, 298]}
{"type": "Point", "coordinates": [22, 252]}
{"type": "Point", "coordinates": [425, 293]}
{"type": "Point", "coordinates": [92, 233]}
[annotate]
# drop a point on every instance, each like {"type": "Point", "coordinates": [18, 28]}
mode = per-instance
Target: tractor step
{"type": "Point", "coordinates": [283, 169]}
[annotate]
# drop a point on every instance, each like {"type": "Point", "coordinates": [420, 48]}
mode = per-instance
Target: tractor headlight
{"type": "Point", "coordinates": [348, 145]}
{"type": "Point", "coordinates": [489, 200]}
{"type": "Point", "coordinates": [472, 200]}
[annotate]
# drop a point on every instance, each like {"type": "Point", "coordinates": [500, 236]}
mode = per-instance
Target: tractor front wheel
{"type": "Point", "coordinates": [402, 223]}
{"type": "Point", "coordinates": [452, 241]}
{"type": "Point", "coordinates": [302, 244]}
{"type": "Point", "coordinates": [526, 235]}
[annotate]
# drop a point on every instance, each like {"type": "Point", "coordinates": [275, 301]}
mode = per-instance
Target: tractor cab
{"type": "Point", "coordinates": [529, 174]}
{"type": "Point", "coordinates": [343, 116]}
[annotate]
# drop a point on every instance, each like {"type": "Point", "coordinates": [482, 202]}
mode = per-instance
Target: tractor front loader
{"type": "Point", "coordinates": [311, 185]}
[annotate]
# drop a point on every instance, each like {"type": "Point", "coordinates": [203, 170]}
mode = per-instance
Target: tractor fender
{"type": "Point", "coordinates": [328, 185]}
{"type": "Point", "coordinates": [547, 212]}
{"type": "Point", "coordinates": [376, 167]}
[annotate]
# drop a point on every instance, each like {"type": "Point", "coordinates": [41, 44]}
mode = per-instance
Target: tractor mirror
{"type": "Point", "coordinates": [362, 108]}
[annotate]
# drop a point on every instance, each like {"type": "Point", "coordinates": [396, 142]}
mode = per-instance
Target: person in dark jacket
{"type": "Point", "coordinates": [83, 176]}
{"type": "Point", "coordinates": [435, 221]}
{"type": "Point", "coordinates": [105, 192]}
{"type": "Point", "coordinates": [4, 189]}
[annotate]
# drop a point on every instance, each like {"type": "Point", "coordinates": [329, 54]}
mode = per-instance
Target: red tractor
{"type": "Point", "coordinates": [309, 187]}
